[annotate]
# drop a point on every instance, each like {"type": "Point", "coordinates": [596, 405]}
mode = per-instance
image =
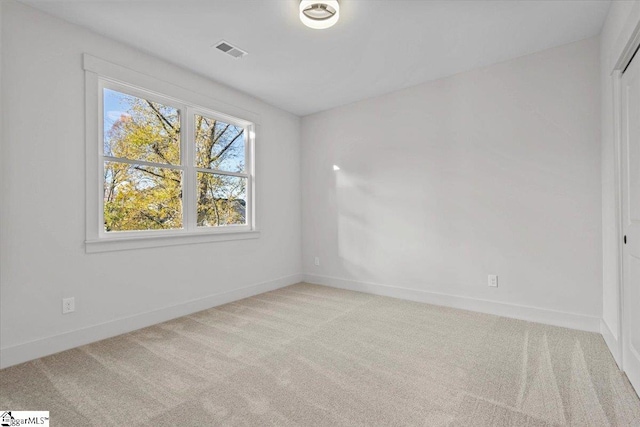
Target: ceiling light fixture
{"type": "Point", "coordinates": [319, 14]}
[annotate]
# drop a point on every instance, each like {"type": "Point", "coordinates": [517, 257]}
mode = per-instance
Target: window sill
{"type": "Point", "coordinates": [118, 243]}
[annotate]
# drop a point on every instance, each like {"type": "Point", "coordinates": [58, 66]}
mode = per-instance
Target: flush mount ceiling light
{"type": "Point", "coordinates": [319, 14]}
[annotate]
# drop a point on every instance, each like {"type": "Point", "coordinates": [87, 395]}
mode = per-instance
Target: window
{"type": "Point", "coordinates": [221, 179]}
{"type": "Point", "coordinates": [167, 165]}
{"type": "Point", "coordinates": [169, 171]}
{"type": "Point", "coordinates": [143, 170]}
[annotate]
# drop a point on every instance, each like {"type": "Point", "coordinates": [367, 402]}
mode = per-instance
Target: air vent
{"type": "Point", "coordinates": [230, 49]}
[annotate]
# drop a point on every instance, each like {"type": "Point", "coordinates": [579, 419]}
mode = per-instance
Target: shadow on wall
{"type": "Point", "coordinates": [402, 217]}
{"type": "Point", "coordinates": [385, 229]}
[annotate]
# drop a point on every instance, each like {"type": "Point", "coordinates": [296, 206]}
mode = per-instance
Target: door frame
{"type": "Point", "coordinates": [624, 58]}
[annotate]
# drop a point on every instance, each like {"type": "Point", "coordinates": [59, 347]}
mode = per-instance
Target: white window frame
{"type": "Point", "coordinates": [100, 75]}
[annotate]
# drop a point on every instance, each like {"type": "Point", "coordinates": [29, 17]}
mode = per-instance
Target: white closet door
{"type": "Point", "coordinates": [631, 220]}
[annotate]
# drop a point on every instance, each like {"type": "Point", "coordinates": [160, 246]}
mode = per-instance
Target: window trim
{"type": "Point", "coordinates": [100, 74]}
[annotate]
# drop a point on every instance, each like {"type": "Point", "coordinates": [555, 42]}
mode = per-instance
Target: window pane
{"type": "Point", "coordinates": [138, 197]}
{"type": "Point", "coordinates": [139, 129]}
{"type": "Point", "coordinates": [222, 200]}
{"type": "Point", "coordinates": [219, 145]}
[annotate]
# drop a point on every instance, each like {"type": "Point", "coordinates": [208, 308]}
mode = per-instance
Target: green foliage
{"type": "Point", "coordinates": [143, 197]}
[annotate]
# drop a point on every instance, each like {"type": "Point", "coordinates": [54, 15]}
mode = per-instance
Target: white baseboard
{"type": "Point", "coordinates": [611, 340]}
{"type": "Point", "coordinates": [533, 314]}
{"type": "Point", "coordinates": [43, 347]}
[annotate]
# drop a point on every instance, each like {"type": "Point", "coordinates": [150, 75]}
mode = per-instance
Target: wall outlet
{"type": "Point", "coordinates": [493, 281]}
{"type": "Point", "coordinates": [68, 305]}
{"type": "Point", "coordinates": [317, 261]}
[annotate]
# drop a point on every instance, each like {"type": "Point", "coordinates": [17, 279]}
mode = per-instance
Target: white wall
{"type": "Point", "coordinates": [42, 256]}
{"type": "Point", "coordinates": [493, 171]}
{"type": "Point", "coordinates": [622, 20]}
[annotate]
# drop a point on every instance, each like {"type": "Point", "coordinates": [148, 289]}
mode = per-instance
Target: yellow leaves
{"type": "Point", "coordinates": [144, 198]}
{"type": "Point", "coordinates": [143, 138]}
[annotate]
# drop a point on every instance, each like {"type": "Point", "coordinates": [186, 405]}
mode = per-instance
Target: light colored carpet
{"type": "Point", "coordinates": [310, 355]}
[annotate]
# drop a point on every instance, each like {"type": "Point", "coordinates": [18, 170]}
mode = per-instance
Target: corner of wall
{"type": "Point", "coordinates": [611, 340]}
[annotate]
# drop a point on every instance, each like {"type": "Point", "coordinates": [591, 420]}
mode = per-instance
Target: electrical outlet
{"type": "Point", "coordinates": [493, 281]}
{"type": "Point", "coordinates": [317, 261]}
{"type": "Point", "coordinates": [68, 305]}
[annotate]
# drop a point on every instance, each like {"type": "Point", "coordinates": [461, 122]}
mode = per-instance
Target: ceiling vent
{"type": "Point", "coordinates": [230, 49]}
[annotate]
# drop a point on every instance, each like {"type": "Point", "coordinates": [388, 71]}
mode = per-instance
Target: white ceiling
{"type": "Point", "coordinates": [377, 46]}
